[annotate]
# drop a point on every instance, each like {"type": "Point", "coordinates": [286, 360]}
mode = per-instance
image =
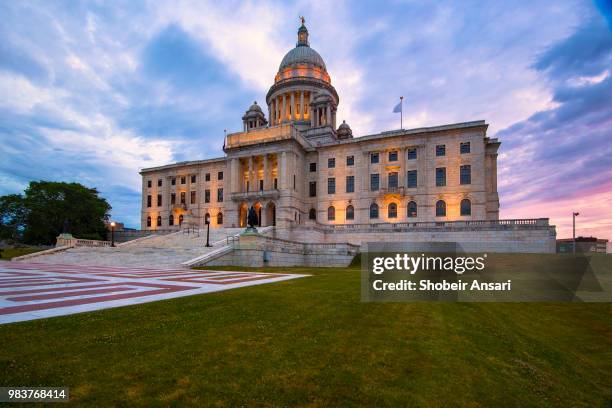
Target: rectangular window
{"type": "Point", "coordinates": [411, 177]}
{"type": "Point", "coordinates": [219, 195]}
{"type": "Point", "coordinates": [412, 154]}
{"type": "Point", "coordinates": [260, 185]}
{"type": "Point", "coordinates": [331, 185]}
{"type": "Point", "coordinates": [149, 200]}
{"type": "Point", "coordinates": [159, 200]}
{"type": "Point", "coordinates": [159, 182]}
{"type": "Point", "coordinates": [193, 178]}
{"type": "Point", "coordinates": [441, 150]}
{"type": "Point", "coordinates": [374, 158]}
{"type": "Point", "coordinates": [173, 198]}
{"type": "Point", "coordinates": [207, 177]}
{"type": "Point", "coordinates": [294, 181]}
{"type": "Point", "coordinates": [331, 163]}
{"type": "Point", "coordinates": [465, 174]}
{"type": "Point", "coordinates": [183, 197]}
{"type": "Point", "coordinates": [275, 183]}
{"type": "Point", "coordinates": [173, 181]}
{"type": "Point", "coordinates": [193, 197]}
{"type": "Point", "coordinates": [440, 176]}
{"type": "Point", "coordinates": [393, 180]}
{"type": "Point", "coordinates": [207, 196]}
{"type": "Point", "coordinates": [464, 148]}
{"type": "Point", "coordinates": [149, 183]}
{"type": "Point", "coordinates": [220, 176]}
{"type": "Point", "coordinates": [350, 184]}
{"type": "Point", "coordinates": [393, 156]}
{"type": "Point", "coordinates": [183, 180]}
{"type": "Point", "coordinates": [374, 182]}
{"type": "Point", "coordinates": [313, 167]}
{"type": "Point", "coordinates": [350, 160]}
{"type": "Point", "coordinates": [312, 189]}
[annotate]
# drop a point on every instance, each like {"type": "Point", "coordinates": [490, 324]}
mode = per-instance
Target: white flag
{"type": "Point", "coordinates": [398, 108]}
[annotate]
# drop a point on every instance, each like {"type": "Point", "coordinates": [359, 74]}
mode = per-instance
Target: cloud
{"type": "Point", "coordinates": [94, 91]}
{"type": "Point", "coordinates": [560, 160]}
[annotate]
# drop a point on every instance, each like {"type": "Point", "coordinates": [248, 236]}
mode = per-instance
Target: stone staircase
{"type": "Point", "coordinates": [157, 251]}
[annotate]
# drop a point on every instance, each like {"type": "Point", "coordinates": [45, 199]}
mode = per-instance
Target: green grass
{"type": "Point", "coordinates": [311, 342]}
{"type": "Point", "coordinates": [9, 253]}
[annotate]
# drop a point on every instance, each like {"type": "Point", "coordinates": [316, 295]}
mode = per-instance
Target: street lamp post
{"type": "Point", "coordinates": [574, 215]}
{"type": "Point", "coordinates": [207, 220]}
{"type": "Point", "coordinates": [112, 224]}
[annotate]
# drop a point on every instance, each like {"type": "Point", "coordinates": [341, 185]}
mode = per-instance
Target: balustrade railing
{"type": "Point", "coordinates": [539, 222]}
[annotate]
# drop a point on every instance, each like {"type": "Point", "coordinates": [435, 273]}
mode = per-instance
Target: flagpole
{"type": "Point", "coordinates": [401, 113]}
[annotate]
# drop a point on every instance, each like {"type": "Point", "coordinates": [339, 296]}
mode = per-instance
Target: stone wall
{"type": "Point", "coordinates": [259, 251]}
{"type": "Point", "coordinates": [525, 236]}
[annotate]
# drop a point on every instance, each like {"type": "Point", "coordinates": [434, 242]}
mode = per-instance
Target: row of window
{"type": "Point", "coordinates": [464, 148]}
{"type": "Point", "coordinates": [192, 197]}
{"type": "Point", "coordinates": [465, 177]}
{"type": "Point", "coordinates": [465, 208]}
{"type": "Point", "coordinates": [180, 220]}
{"type": "Point", "coordinates": [183, 179]}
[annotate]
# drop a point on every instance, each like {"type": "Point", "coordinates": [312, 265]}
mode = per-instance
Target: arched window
{"type": "Point", "coordinates": [392, 210]}
{"type": "Point", "coordinates": [312, 214]}
{"type": "Point", "coordinates": [171, 220]}
{"type": "Point", "coordinates": [181, 219]}
{"type": "Point", "coordinates": [148, 221]}
{"type": "Point", "coordinates": [412, 209]}
{"type": "Point", "coordinates": [350, 213]}
{"type": "Point", "coordinates": [440, 209]}
{"type": "Point", "coordinates": [466, 207]}
{"type": "Point", "coordinates": [374, 211]}
{"type": "Point", "coordinates": [331, 213]}
{"type": "Point", "coordinates": [159, 220]}
{"type": "Point", "coordinates": [220, 218]}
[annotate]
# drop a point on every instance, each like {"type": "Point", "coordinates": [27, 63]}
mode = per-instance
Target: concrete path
{"type": "Point", "coordinates": [37, 290]}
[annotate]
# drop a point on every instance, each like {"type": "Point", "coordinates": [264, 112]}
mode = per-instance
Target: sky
{"type": "Point", "coordinates": [93, 91]}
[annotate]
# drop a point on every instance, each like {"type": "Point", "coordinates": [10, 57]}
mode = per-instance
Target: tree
{"type": "Point", "coordinates": [12, 217]}
{"type": "Point", "coordinates": [46, 206]}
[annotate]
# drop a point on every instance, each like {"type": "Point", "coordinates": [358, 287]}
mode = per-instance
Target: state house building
{"type": "Point", "coordinates": [296, 166]}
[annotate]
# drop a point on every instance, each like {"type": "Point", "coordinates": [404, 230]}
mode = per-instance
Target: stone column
{"type": "Point", "coordinates": [302, 105]}
{"type": "Point", "coordinates": [234, 176]}
{"type": "Point", "coordinates": [277, 114]}
{"type": "Point", "coordinates": [270, 113]}
{"type": "Point", "coordinates": [311, 115]}
{"type": "Point", "coordinates": [328, 115]}
{"type": "Point", "coordinates": [284, 112]}
{"type": "Point", "coordinates": [293, 115]}
{"type": "Point", "coordinates": [265, 173]}
{"type": "Point", "coordinates": [250, 174]}
{"type": "Point", "coordinates": [283, 171]}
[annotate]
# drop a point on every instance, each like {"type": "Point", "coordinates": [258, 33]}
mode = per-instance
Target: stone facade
{"type": "Point", "coordinates": [297, 169]}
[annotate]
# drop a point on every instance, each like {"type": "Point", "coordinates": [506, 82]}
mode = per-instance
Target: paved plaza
{"type": "Point", "coordinates": [35, 290]}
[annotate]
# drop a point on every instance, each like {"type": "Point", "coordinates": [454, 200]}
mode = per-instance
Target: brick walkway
{"type": "Point", "coordinates": [34, 290]}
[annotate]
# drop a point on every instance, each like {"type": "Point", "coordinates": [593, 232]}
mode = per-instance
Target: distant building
{"type": "Point", "coordinates": [583, 245]}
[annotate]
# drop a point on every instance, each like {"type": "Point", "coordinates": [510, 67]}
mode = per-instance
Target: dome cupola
{"type": "Point", "coordinates": [301, 76]}
{"type": "Point", "coordinates": [344, 131]}
{"type": "Point", "coordinates": [254, 117]}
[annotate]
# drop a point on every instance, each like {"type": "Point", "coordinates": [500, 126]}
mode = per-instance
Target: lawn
{"type": "Point", "coordinates": [8, 253]}
{"type": "Point", "coordinates": [311, 342]}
